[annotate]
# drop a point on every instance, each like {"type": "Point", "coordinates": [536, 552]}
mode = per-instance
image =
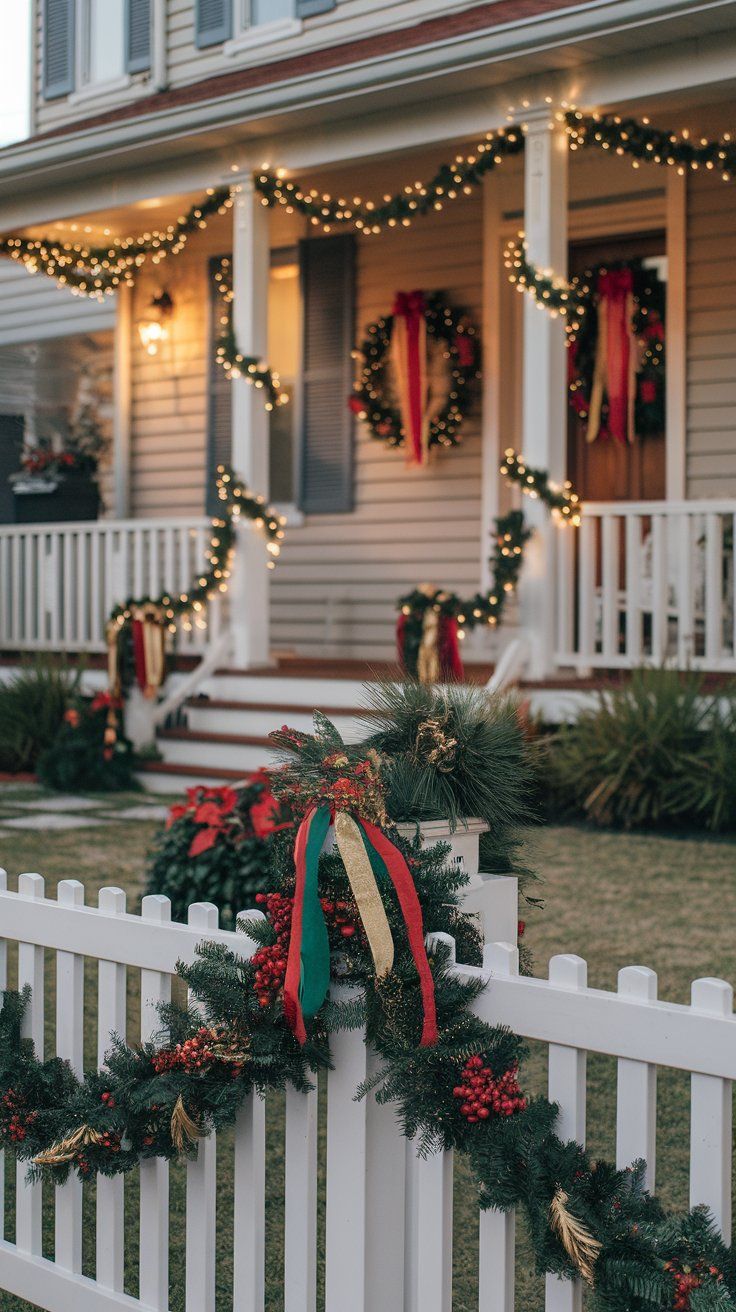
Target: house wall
{"type": "Point", "coordinates": [185, 63]}
{"type": "Point", "coordinates": [711, 337]}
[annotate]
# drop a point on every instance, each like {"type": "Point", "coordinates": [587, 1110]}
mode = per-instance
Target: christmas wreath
{"type": "Point", "coordinates": [358, 913]}
{"type": "Point", "coordinates": [407, 398]}
{"type": "Point", "coordinates": [616, 358]}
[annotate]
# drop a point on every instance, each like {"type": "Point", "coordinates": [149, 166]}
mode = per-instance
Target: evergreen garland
{"type": "Point", "coordinates": [585, 1218]}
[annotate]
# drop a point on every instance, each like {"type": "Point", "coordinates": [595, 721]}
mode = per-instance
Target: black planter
{"type": "Point", "coordinates": [76, 497]}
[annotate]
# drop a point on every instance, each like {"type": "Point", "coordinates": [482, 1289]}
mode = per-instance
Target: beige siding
{"type": "Point", "coordinates": [711, 338]}
{"type": "Point", "coordinates": [33, 308]}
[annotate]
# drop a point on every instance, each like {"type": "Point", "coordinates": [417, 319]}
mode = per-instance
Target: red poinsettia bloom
{"type": "Point", "coordinates": [176, 812]}
{"type": "Point", "coordinates": [104, 700]}
{"type": "Point", "coordinates": [208, 813]}
{"type": "Point", "coordinates": [203, 841]}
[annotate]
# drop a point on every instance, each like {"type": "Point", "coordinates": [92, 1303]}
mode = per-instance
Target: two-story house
{"type": "Point", "coordinates": [145, 108]}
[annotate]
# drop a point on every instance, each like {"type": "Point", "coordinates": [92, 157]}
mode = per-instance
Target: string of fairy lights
{"type": "Point", "coordinates": [99, 270]}
{"type": "Point", "coordinates": [227, 353]}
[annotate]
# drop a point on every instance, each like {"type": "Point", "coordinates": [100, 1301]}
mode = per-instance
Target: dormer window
{"type": "Point", "coordinates": [93, 46]}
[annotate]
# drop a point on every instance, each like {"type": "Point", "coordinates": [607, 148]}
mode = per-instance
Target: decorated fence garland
{"type": "Point", "coordinates": [357, 915]}
{"type": "Point", "coordinates": [402, 338]}
{"type": "Point", "coordinates": [432, 620]}
{"type": "Point", "coordinates": [230, 358]}
{"type": "Point", "coordinates": [143, 622]}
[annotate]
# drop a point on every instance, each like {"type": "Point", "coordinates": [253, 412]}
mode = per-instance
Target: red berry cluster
{"type": "Point", "coordinates": [687, 1279]}
{"type": "Point", "coordinates": [270, 962]}
{"type": "Point", "coordinates": [191, 1055]}
{"type": "Point", "coordinates": [110, 1141]}
{"type": "Point", "coordinates": [343, 916]}
{"type": "Point", "coordinates": [482, 1093]}
{"type": "Point", "coordinates": [15, 1121]}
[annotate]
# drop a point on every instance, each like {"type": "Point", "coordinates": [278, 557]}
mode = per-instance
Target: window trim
{"type": "Point", "coordinates": [137, 83]}
{"type": "Point", "coordinates": [251, 36]}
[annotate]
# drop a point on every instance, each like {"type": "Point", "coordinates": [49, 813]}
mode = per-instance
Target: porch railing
{"type": "Point", "coordinates": [646, 582]}
{"type": "Point", "coordinates": [59, 582]}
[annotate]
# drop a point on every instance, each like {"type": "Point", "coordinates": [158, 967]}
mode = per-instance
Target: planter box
{"type": "Point", "coordinates": [493, 898]}
{"type": "Point", "coordinates": [52, 501]}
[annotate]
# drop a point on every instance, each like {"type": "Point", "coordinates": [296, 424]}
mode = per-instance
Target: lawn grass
{"type": "Point", "coordinates": [669, 903]}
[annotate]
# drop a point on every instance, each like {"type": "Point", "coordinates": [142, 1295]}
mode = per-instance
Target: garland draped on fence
{"type": "Point", "coordinates": [453, 1079]}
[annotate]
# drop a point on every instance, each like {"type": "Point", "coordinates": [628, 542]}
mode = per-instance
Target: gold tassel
{"type": "Point", "coordinates": [67, 1149]}
{"type": "Point", "coordinates": [579, 1244]}
{"type": "Point", "coordinates": [184, 1131]}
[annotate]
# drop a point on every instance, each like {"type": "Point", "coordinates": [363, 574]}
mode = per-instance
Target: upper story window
{"type": "Point", "coordinates": [91, 46]}
{"type": "Point", "coordinates": [237, 24]}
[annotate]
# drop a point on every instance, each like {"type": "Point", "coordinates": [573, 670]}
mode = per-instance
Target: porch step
{"type": "Point", "coordinates": [240, 753]}
{"type": "Point", "coordinates": [171, 778]}
{"type": "Point", "coordinates": [255, 718]}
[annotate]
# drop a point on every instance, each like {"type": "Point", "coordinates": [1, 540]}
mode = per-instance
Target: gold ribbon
{"type": "Point", "coordinates": [428, 658]}
{"type": "Point", "coordinates": [150, 616]}
{"type": "Point", "coordinates": [365, 891]}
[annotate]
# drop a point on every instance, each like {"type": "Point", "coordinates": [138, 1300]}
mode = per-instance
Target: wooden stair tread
{"type": "Point", "coordinates": [288, 708]}
{"type": "Point", "coordinates": [191, 771]}
{"type": "Point", "coordinates": [203, 736]}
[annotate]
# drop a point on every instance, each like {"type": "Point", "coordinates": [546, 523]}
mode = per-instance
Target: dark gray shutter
{"type": "Point", "coordinates": [219, 405]}
{"type": "Point", "coordinates": [305, 8]}
{"type": "Point", "coordinates": [137, 35]}
{"type": "Point", "coordinates": [213, 22]}
{"type": "Point", "coordinates": [58, 47]}
{"type": "Point", "coordinates": [11, 447]}
{"type": "Point", "coordinates": [328, 278]}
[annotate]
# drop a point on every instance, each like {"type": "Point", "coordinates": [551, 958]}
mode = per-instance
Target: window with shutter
{"type": "Point", "coordinates": [306, 8]}
{"type": "Point", "coordinates": [58, 47]}
{"type": "Point", "coordinates": [137, 35]}
{"type": "Point", "coordinates": [328, 291]}
{"type": "Point", "coordinates": [213, 22]}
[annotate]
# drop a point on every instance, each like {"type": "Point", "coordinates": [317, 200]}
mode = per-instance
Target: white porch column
{"type": "Point", "coordinates": [544, 374]}
{"type": "Point", "coordinates": [249, 591]}
{"type": "Point", "coordinates": [122, 402]}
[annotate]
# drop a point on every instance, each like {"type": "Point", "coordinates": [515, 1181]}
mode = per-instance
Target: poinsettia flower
{"type": "Point", "coordinates": [263, 815]}
{"type": "Point", "coordinates": [208, 813]}
{"type": "Point", "coordinates": [203, 841]}
{"type": "Point", "coordinates": [175, 813]}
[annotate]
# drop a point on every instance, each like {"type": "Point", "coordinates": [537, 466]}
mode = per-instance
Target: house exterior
{"type": "Point", "coordinates": [141, 106]}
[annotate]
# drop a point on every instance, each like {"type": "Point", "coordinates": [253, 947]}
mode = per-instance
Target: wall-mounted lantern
{"type": "Point", "coordinates": [153, 327]}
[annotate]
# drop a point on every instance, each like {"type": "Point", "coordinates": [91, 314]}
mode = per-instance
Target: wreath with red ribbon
{"type": "Point", "coordinates": [616, 358]}
{"type": "Point", "coordinates": [413, 418]}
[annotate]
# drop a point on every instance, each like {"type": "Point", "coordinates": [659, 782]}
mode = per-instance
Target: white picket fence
{"type": "Point", "coordinates": [642, 582]}
{"type": "Point", "coordinates": [388, 1227]}
{"type": "Point", "coordinates": [59, 582]}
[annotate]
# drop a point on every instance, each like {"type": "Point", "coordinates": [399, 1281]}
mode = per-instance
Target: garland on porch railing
{"type": "Point", "coordinates": [432, 620]}
{"type": "Point", "coordinates": [357, 916]}
{"type": "Point", "coordinates": [136, 629]}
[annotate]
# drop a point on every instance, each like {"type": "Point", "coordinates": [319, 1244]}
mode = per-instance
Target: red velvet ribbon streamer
{"type": "Point", "coordinates": [403, 883]}
{"type": "Point", "coordinates": [451, 665]}
{"type": "Point", "coordinates": [411, 307]}
{"type": "Point", "coordinates": [616, 287]}
{"type": "Point", "coordinates": [292, 1006]}
{"type": "Point", "coordinates": [400, 636]}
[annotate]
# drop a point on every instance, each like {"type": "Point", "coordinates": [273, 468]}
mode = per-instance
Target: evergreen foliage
{"type": "Point", "coordinates": [32, 706]}
{"type": "Point", "coordinates": [658, 750]}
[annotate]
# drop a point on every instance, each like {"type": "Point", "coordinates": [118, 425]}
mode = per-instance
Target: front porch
{"type": "Point", "coordinates": [641, 581]}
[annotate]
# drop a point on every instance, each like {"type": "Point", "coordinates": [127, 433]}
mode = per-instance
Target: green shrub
{"type": "Point", "coordinates": [32, 706]}
{"type": "Point", "coordinates": [215, 847]}
{"type": "Point", "coordinates": [657, 751]}
{"type": "Point", "coordinates": [87, 756]}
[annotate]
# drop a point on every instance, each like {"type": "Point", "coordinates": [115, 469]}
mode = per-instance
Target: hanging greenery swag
{"type": "Point", "coordinates": [358, 914]}
{"type": "Point", "coordinates": [136, 629]}
{"type": "Point", "coordinates": [431, 620]}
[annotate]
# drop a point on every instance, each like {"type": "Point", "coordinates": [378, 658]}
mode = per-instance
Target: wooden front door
{"type": "Point", "coordinates": [607, 470]}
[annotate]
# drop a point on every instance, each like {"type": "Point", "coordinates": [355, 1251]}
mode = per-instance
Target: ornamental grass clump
{"type": "Point", "coordinates": [659, 751]}
{"type": "Point", "coordinates": [32, 706]}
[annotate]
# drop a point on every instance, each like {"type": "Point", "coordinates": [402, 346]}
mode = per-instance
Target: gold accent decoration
{"type": "Point", "coordinates": [580, 1245]}
{"type": "Point", "coordinates": [184, 1131]}
{"type": "Point", "coordinates": [428, 658]}
{"type": "Point", "coordinates": [434, 746]}
{"type": "Point", "coordinates": [365, 891]}
{"type": "Point", "coordinates": [151, 616]}
{"type": "Point", "coordinates": [67, 1149]}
